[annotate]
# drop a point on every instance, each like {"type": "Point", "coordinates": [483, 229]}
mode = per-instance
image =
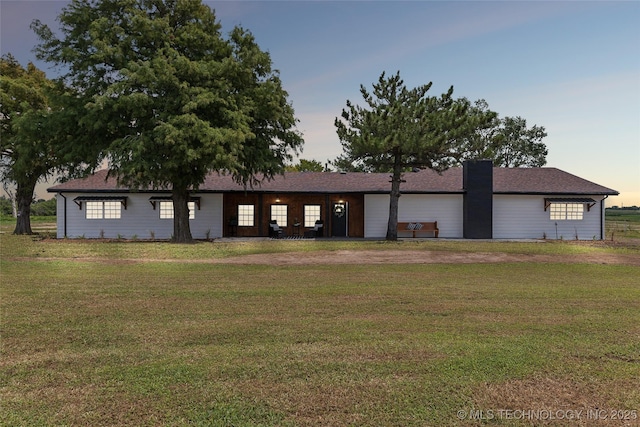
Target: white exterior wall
{"type": "Point", "coordinates": [444, 208]}
{"type": "Point", "coordinates": [139, 219]}
{"type": "Point", "coordinates": [524, 217]}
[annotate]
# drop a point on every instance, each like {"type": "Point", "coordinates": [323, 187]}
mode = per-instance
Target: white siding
{"type": "Point", "coordinates": [444, 208]}
{"type": "Point", "coordinates": [139, 220]}
{"type": "Point", "coordinates": [524, 217]}
{"type": "Point", "coordinates": [376, 215]}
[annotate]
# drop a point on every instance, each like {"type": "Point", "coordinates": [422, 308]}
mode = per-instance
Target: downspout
{"type": "Point", "coordinates": [602, 217]}
{"type": "Point", "coordinates": [65, 214]}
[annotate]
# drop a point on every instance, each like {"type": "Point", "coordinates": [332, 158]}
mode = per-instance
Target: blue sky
{"type": "Point", "coordinates": [572, 67]}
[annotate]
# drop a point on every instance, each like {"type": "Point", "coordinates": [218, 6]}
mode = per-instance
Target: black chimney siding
{"type": "Point", "coordinates": [477, 182]}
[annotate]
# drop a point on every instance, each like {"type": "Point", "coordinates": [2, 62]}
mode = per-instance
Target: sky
{"type": "Point", "coordinates": [572, 67]}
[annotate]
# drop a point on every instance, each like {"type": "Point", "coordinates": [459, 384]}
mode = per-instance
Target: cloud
{"type": "Point", "coordinates": [428, 25]}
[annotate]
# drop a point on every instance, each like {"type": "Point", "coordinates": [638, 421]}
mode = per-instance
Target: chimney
{"type": "Point", "coordinates": [477, 182]}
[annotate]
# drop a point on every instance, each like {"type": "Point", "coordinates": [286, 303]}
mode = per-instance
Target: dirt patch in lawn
{"type": "Point", "coordinates": [418, 257]}
{"type": "Point", "coordinates": [558, 402]}
{"type": "Point", "coordinates": [378, 257]}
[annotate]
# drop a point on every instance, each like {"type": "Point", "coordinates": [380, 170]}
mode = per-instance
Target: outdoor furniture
{"type": "Point", "coordinates": [317, 230]}
{"type": "Point", "coordinates": [275, 231]}
{"type": "Point", "coordinates": [419, 227]}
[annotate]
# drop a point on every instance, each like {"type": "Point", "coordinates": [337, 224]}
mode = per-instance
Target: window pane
{"type": "Point", "coordinates": [166, 210]}
{"type": "Point", "coordinates": [574, 211]}
{"type": "Point", "coordinates": [566, 211]}
{"type": "Point", "coordinates": [93, 210]}
{"type": "Point", "coordinates": [557, 211]}
{"type": "Point", "coordinates": [192, 210]}
{"type": "Point", "coordinates": [311, 215]}
{"type": "Point", "coordinates": [245, 215]}
{"type": "Point", "coordinates": [112, 210]}
{"type": "Point", "coordinates": [279, 214]}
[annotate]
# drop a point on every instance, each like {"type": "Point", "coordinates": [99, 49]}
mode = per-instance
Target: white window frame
{"type": "Point", "coordinates": [246, 215]}
{"type": "Point", "coordinates": [311, 215]}
{"type": "Point", "coordinates": [103, 209]}
{"type": "Point", "coordinates": [165, 209]}
{"type": "Point", "coordinates": [566, 211]}
{"type": "Point", "coordinates": [279, 213]}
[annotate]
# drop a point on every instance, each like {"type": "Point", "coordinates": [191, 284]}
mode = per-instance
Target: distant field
{"type": "Point", "coordinates": [152, 334]}
{"type": "Point", "coordinates": [623, 215]}
{"type": "Point", "coordinates": [622, 223]}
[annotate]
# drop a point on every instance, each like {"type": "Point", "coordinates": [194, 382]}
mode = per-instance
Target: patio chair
{"type": "Point", "coordinates": [316, 231]}
{"type": "Point", "coordinates": [275, 231]}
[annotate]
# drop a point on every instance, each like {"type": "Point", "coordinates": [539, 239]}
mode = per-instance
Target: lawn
{"type": "Point", "coordinates": [623, 223]}
{"type": "Point", "coordinates": [124, 333]}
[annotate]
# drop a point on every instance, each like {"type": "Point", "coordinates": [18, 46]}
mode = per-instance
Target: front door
{"type": "Point", "coordinates": [339, 219]}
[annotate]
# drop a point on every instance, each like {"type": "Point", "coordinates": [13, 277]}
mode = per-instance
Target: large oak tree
{"type": "Point", "coordinates": [170, 98]}
{"type": "Point", "coordinates": [401, 129]}
{"type": "Point", "coordinates": [26, 151]}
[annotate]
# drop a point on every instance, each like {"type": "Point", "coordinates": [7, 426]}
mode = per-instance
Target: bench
{"type": "Point", "coordinates": [419, 227]}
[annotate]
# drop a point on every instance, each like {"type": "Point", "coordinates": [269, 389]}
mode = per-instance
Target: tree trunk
{"type": "Point", "coordinates": [24, 197]}
{"type": "Point", "coordinates": [396, 179]}
{"type": "Point", "coordinates": [181, 229]}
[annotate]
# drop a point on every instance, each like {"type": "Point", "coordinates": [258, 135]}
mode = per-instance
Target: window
{"type": "Point", "coordinates": [103, 210]}
{"type": "Point", "coordinates": [166, 210]}
{"type": "Point", "coordinates": [566, 211]}
{"type": "Point", "coordinates": [311, 215]}
{"type": "Point", "coordinates": [279, 214]}
{"type": "Point", "coordinates": [246, 215]}
{"type": "Point", "coordinates": [93, 210]}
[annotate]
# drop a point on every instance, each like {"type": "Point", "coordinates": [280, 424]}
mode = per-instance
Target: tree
{"type": "Point", "coordinates": [26, 153]}
{"type": "Point", "coordinates": [6, 206]}
{"type": "Point", "coordinates": [306, 166]}
{"type": "Point", "coordinates": [508, 142]}
{"type": "Point", "coordinates": [43, 207]}
{"type": "Point", "coordinates": [404, 129]}
{"type": "Point", "coordinates": [170, 98]}
{"type": "Point", "coordinates": [344, 163]}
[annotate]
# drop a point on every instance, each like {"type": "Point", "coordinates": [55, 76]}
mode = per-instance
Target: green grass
{"type": "Point", "coordinates": [42, 246]}
{"type": "Point", "coordinates": [628, 215]}
{"type": "Point", "coordinates": [622, 224]}
{"type": "Point", "coordinates": [92, 337]}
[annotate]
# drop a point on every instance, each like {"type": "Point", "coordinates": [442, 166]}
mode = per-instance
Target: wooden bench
{"type": "Point", "coordinates": [419, 227]}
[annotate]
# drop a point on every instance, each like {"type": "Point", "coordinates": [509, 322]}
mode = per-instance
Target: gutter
{"type": "Point", "coordinates": [602, 218]}
{"type": "Point", "coordinates": [65, 214]}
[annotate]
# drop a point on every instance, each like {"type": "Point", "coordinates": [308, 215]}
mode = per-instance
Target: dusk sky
{"type": "Point", "coordinates": [572, 67]}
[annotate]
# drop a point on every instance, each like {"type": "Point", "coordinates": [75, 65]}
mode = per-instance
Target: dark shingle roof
{"type": "Point", "coordinates": [543, 181]}
{"type": "Point", "coordinates": [505, 181]}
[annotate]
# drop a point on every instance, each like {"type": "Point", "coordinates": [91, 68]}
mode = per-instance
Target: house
{"type": "Point", "coordinates": [474, 201]}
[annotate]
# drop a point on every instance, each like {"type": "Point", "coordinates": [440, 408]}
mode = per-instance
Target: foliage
{"type": "Point", "coordinates": [44, 207]}
{"type": "Point", "coordinates": [507, 142]}
{"type": "Point", "coordinates": [343, 163]}
{"type": "Point", "coordinates": [28, 152]}
{"type": "Point", "coordinates": [405, 128]}
{"type": "Point", "coordinates": [616, 210]}
{"type": "Point", "coordinates": [38, 208]}
{"type": "Point", "coordinates": [5, 206]}
{"type": "Point", "coordinates": [306, 166]}
{"type": "Point", "coordinates": [170, 97]}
